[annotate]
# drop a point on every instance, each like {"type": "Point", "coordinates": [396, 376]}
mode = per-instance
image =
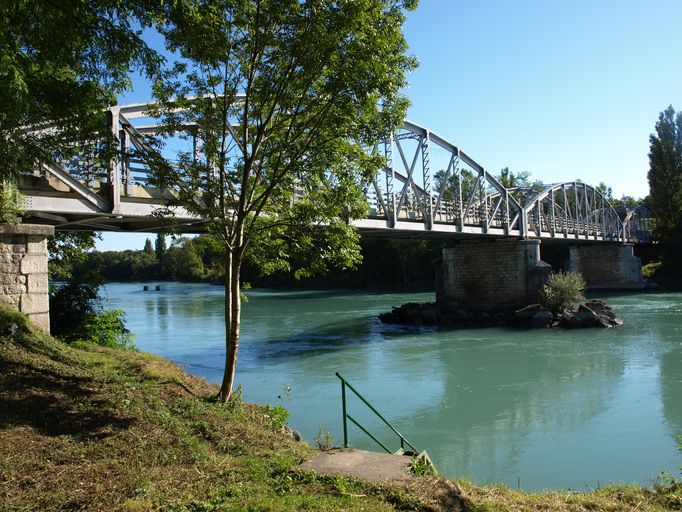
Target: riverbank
{"type": "Point", "coordinates": [100, 429]}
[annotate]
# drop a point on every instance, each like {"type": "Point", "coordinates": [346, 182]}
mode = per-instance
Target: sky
{"type": "Point", "coordinates": [563, 89]}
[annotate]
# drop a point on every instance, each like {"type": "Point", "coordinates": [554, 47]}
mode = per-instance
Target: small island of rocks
{"type": "Point", "coordinates": [593, 313]}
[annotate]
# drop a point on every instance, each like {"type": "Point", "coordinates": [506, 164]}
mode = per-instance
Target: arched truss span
{"type": "Point", "coordinates": [572, 210]}
{"type": "Point", "coordinates": [430, 182]}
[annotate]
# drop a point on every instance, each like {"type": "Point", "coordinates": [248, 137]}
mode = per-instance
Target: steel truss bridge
{"type": "Point", "coordinates": [429, 188]}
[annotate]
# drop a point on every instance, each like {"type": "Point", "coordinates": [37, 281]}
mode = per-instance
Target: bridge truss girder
{"type": "Point", "coordinates": [449, 194]}
{"type": "Point", "coordinates": [572, 210]}
{"type": "Point", "coordinates": [428, 188]}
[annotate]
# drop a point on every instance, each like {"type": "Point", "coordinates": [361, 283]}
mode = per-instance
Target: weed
{"type": "Point", "coordinates": [279, 415]}
{"type": "Point", "coordinates": [339, 483]}
{"type": "Point", "coordinates": [324, 440]}
{"type": "Point", "coordinates": [236, 400]}
{"type": "Point", "coordinates": [420, 465]}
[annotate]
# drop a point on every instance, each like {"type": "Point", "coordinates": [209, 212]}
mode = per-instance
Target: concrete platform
{"type": "Point", "coordinates": [371, 466]}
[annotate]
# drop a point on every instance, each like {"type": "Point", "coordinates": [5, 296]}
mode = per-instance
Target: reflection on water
{"type": "Point", "coordinates": [555, 408]}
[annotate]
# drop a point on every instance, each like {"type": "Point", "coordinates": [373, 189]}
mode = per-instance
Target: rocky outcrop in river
{"type": "Point", "coordinates": [594, 313]}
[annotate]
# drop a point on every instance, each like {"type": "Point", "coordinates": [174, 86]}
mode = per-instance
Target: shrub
{"type": "Point", "coordinates": [278, 414]}
{"type": "Point", "coordinates": [650, 270]}
{"type": "Point", "coordinates": [76, 314]}
{"type": "Point", "coordinates": [70, 305]}
{"type": "Point", "coordinates": [562, 290]}
{"type": "Point", "coordinates": [324, 440]}
{"type": "Point", "coordinates": [108, 329]}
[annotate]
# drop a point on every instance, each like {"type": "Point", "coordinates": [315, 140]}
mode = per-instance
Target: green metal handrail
{"type": "Point", "coordinates": [346, 416]}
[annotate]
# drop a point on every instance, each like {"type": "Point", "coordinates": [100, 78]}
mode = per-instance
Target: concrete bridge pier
{"type": "Point", "coordinates": [492, 275]}
{"type": "Point", "coordinates": [607, 266]}
{"type": "Point", "coordinates": [23, 270]}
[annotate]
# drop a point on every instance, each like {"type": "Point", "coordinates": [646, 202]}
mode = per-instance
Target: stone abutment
{"type": "Point", "coordinates": [23, 270]}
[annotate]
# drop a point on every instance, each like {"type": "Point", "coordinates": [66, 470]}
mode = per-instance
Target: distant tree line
{"type": "Point", "coordinates": [399, 263]}
{"type": "Point", "coordinates": [185, 259]}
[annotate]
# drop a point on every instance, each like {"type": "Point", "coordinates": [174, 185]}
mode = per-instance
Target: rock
{"type": "Point", "coordinates": [594, 313]}
{"type": "Point", "coordinates": [605, 315]}
{"type": "Point", "coordinates": [523, 315]}
{"type": "Point", "coordinates": [609, 313]}
{"type": "Point", "coordinates": [541, 319]}
{"type": "Point", "coordinates": [430, 314]}
{"type": "Point", "coordinates": [572, 321]}
{"type": "Point", "coordinates": [588, 318]}
{"type": "Point", "coordinates": [528, 311]}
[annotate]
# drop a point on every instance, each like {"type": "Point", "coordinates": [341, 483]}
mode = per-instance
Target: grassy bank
{"type": "Point", "coordinates": [91, 428]}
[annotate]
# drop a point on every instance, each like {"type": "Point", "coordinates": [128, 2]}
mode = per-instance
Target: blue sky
{"type": "Point", "coordinates": [563, 89]}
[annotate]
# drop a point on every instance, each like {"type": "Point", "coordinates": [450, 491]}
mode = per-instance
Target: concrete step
{"type": "Point", "coordinates": [369, 466]}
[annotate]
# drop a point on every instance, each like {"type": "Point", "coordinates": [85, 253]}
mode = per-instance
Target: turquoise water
{"type": "Point", "coordinates": [557, 409]}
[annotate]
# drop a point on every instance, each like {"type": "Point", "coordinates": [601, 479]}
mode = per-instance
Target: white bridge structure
{"type": "Point", "coordinates": [429, 188]}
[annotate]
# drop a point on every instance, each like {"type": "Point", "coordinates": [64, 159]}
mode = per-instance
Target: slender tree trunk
{"type": "Point", "coordinates": [226, 386]}
{"type": "Point", "coordinates": [232, 318]}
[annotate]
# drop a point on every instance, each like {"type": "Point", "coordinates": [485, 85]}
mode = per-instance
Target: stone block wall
{"type": "Point", "coordinates": [491, 275]}
{"type": "Point", "coordinates": [23, 270]}
{"type": "Point", "coordinates": [607, 265]}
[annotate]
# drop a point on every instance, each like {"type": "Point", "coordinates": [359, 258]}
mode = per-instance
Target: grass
{"type": "Point", "coordinates": [93, 428]}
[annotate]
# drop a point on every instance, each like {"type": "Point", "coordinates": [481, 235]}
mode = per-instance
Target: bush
{"type": "Point", "coordinates": [70, 305]}
{"type": "Point", "coordinates": [76, 314]}
{"type": "Point", "coordinates": [651, 270]}
{"type": "Point", "coordinates": [562, 290]}
{"type": "Point", "coordinates": [107, 329]}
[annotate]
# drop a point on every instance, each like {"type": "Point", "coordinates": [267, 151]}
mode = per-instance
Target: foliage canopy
{"type": "Point", "coordinates": [61, 64]}
{"type": "Point", "coordinates": [280, 99]}
{"type": "Point", "coordinates": [665, 180]}
{"type": "Point", "coordinates": [665, 169]}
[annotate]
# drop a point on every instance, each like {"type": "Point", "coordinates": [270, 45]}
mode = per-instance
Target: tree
{"type": "Point", "coordinates": [148, 248]}
{"type": "Point", "coordinates": [11, 201]}
{"type": "Point", "coordinates": [509, 179]}
{"type": "Point", "coordinates": [452, 187]}
{"type": "Point", "coordinates": [606, 191]}
{"type": "Point", "coordinates": [665, 173]}
{"type": "Point", "coordinates": [182, 262]}
{"type": "Point", "coordinates": [67, 252]}
{"type": "Point", "coordinates": [61, 64]}
{"type": "Point", "coordinates": [160, 246]}
{"type": "Point", "coordinates": [629, 202]}
{"type": "Point", "coordinates": [283, 97]}
{"type": "Point", "coordinates": [525, 189]}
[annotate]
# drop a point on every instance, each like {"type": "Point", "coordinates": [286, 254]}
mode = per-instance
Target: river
{"type": "Point", "coordinates": [549, 408]}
